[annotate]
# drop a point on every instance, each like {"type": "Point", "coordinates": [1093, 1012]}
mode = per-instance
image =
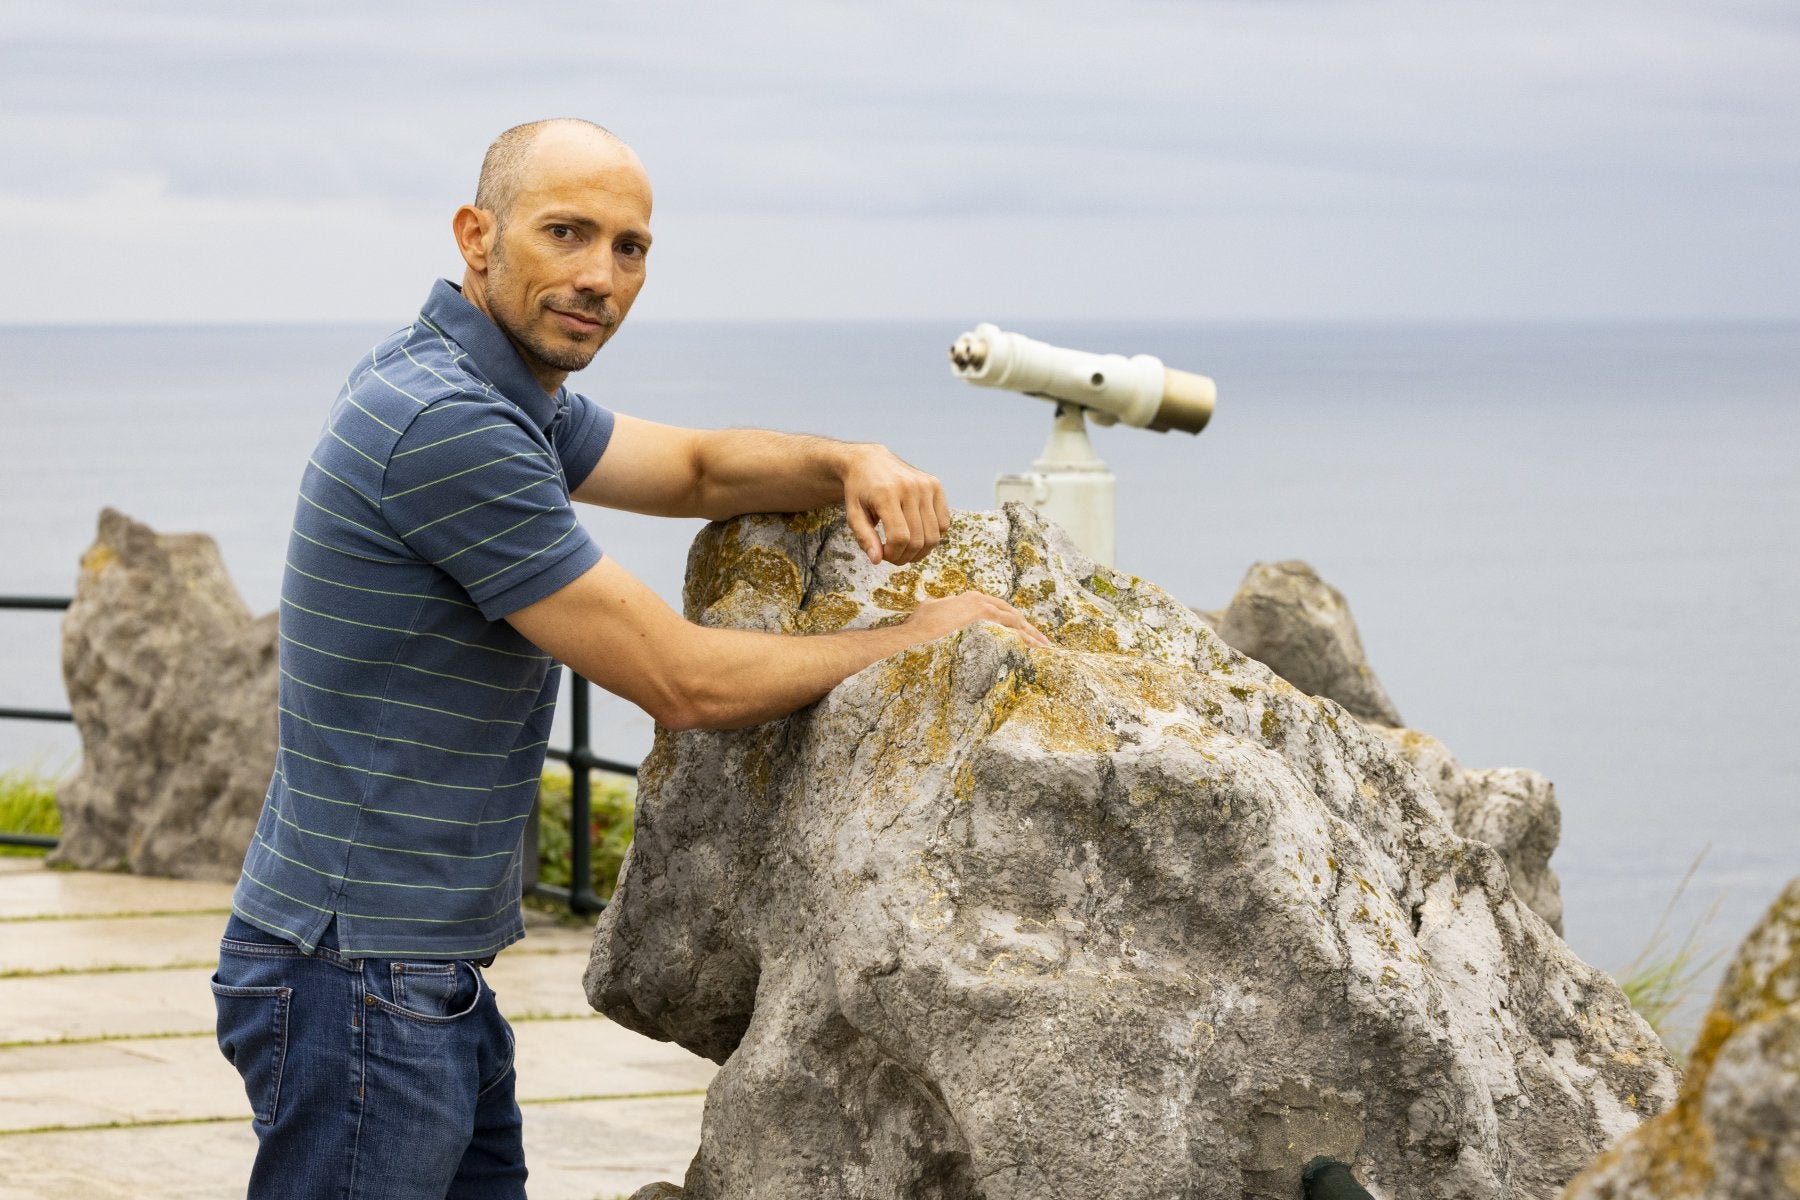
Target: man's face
{"type": "Point", "coordinates": [568, 258]}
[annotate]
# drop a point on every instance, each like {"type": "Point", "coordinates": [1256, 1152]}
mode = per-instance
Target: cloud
{"type": "Point", "coordinates": [1304, 122]}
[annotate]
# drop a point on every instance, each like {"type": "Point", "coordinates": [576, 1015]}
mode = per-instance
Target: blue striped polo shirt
{"type": "Point", "coordinates": [413, 718]}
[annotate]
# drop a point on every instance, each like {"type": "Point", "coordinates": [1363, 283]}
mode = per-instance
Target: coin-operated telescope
{"type": "Point", "coordinates": [1068, 483]}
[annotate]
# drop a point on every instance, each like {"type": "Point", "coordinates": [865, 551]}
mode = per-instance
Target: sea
{"type": "Point", "coordinates": [1570, 547]}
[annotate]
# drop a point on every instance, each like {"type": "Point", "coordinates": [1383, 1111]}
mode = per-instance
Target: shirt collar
{"type": "Point", "coordinates": [493, 355]}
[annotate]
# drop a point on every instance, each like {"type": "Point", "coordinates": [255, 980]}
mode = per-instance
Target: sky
{"type": "Point", "coordinates": [1249, 159]}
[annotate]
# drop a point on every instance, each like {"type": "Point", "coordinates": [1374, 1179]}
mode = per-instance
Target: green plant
{"type": "Point", "coordinates": [612, 812]}
{"type": "Point", "coordinates": [1660, 981]}
{"type": "Point", "coordinates": [28, 805]}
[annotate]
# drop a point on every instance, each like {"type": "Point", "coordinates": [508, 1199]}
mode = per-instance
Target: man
{"type": "Point", "coordinates": [435, 572]}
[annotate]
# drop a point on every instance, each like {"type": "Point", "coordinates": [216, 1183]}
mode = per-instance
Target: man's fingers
{"type": "Point", "coordinates": [864, 529]}
{"type": "Point", "coordinates": [922, 535]}
{"type": "Point", "coordinates": [899, 534]}
{"type": "Point", "coordinates": [942, 506]}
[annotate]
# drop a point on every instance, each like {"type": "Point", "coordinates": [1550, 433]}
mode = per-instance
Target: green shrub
{"type": "Point", "coordinates": [28, 805]}
{"type": "Point", "coordinates": [611, 816]}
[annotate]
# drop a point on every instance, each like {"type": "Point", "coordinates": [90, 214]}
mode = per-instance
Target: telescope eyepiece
{"type": "Point", "coordinates": [969, 353]}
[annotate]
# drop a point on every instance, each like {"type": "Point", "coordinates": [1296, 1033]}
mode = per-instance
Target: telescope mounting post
{"type": "Point", "coordinates": [1070, 485]}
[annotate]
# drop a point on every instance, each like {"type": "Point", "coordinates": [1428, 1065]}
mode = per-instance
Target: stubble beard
{"type": "Point", "coordinates": [535, 347]}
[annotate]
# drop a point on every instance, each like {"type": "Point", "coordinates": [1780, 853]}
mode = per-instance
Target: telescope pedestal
{"type": "Point", "coordinates": [1069, 485]}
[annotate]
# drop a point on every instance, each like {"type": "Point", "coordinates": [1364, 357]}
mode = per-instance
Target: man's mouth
{"type": "Point", "coordinates": [581, 320]}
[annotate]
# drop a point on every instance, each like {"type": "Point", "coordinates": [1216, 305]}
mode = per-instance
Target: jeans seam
{"type": "Point", "coordinates": [512, 1052]}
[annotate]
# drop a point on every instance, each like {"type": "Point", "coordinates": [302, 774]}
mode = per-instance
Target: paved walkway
{"type": "Point", "coordinates": [111, 1085]}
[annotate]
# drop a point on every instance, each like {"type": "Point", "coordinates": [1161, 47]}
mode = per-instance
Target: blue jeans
{"type": "Point", "coordinates": [370, 1078]}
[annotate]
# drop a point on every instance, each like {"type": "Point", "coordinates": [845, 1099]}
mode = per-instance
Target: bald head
{"type": "Point", "coordinates": [507, 164]}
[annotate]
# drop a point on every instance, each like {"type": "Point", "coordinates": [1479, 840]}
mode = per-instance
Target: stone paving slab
{"type": "Point", "coordinates": [138, 941]}
{"type": "Point", "coordinates": [596, 1150]}
{"type": "Point", "coordinates": [56, 1007]}
{"type": "Point", "coordinates": [40, 946]}
{"type": "Point", "coordinates": [84, 893]}
{"type": "Point", "coordinates": [173, 1079]}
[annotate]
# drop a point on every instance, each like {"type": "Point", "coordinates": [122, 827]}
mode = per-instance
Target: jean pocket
{"type": "Point", "coordinates": [253, 1037]}
{"type": "Point", "coordinates": [435, 991]}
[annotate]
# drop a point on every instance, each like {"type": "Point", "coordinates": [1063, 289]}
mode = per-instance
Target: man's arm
{"type": "Point", "coordinates": [609, 627]}
{"type": "Point", "coordinates": [667, 471]}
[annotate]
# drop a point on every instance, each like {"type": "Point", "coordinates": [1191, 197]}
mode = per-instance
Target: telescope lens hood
{"type": "Point", "coordinates": [1187, 402]}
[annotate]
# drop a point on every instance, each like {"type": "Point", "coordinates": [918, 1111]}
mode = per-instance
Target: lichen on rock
{"type": "Point", "coordinates": [1734, 1131]}
{"type": "Point", "coordinates": [1127, 916]}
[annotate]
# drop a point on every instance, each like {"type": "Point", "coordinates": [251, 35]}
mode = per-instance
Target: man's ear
{"type": "Point", "coordinates": [474, 229]}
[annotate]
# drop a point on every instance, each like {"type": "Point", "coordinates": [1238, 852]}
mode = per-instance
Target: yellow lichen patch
{"type": "Point", "coordinates": [1090, 635]}
{"type": "Point", "coordinates": [758, 762]}
{"type": "Point", "coordinates": [1100, 585]}
{"type": "Point", "coordinates": [1025, 598]}
{"type": "Point", "coordinates": [723, 563]}
{"type": "Point", "coordinates": [1199, 737]}
{"type": "Point", "coordinates": [950, 581]}
{"type": "Point", "coordinates": [918, 682]}
{"type": "Point", "coordinates": [99, 556]}
{"type": "Point", "coordinates": [1051, 701]}
{"type": "Point", "coordinates": [815, 519]}
{"type": "Point", "coordinates": [828, 613]}
{"type": "Point", "coordinates": [1271, 725]}
{"type": "Point", "coordinates": [900, 593]}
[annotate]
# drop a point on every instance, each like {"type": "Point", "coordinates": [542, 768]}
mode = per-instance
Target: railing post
{"type": "Point", "coordinates": [10, 713]}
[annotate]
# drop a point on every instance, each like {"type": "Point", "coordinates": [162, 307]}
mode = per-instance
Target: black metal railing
{"type": "Point", "coordinates": [41, 604]}
{"type": "Point", "coordinates": [582, 762]}
{"type": "Point", "coordinates": [580, 756]}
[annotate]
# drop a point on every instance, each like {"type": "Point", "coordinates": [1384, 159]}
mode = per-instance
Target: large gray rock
{"type": "Point", "coordinates": [1127, 917]}
{"type": "Point", "coordinates": [1512, 809]}
{"type": "Point", "coordinates": [1285, 616]}
{"type": "Point", "coordinates": [172, 684]}
{"type": "Point", "coordinates": [1734, 1132]}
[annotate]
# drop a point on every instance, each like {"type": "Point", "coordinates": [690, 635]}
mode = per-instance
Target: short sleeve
{"type": "Point", "coordinates": [581, 437]}
{"type": "Point", "coordinates": [474, 488]}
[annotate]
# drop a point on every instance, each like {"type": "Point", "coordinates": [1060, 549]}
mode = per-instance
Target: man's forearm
{"type": "Point", "coordinates": [756, 470]}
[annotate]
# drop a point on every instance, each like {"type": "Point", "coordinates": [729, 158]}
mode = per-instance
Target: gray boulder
{"type": "Point", "coordinates": [1512, 809]}
{"type": "Point", "coordinates": [1734, 1131]}
{"type": "Point", "coordinates": [1284, 615]}
{"type": "Point", "coordinates": [172, 685]}
{"type": "Point", "coordinates": [1130, 916]}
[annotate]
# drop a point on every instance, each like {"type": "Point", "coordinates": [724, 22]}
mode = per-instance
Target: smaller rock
{"type": "Point", "coordinates": [1284, 615]}
{"type": "Point", "coordinates": [1512, 809]}
{"type": "Point", "coordinates": [1734, 1130]}
{"type": "Point", "coordinates": [658, 1191]}
{"type": "Point", "coordinates": [172, 684]}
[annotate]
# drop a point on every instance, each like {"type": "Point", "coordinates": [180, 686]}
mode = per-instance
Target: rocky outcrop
{"type": "Point", "coordinates": [1512, 809]}
{"type": "Point", "coordinates": [172, 684]}
{"type": "Point", "coordinates": [1285, 616]}
{"type": "Point", "coordinates": [1130, 916]}
{"type": "Point", "coordinates": [1734, 1131]}
{"type": "Point", "coordinates": [1299, 626]}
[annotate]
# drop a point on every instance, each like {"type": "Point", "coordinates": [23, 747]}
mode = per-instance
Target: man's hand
{"type": "Point", "coordinates": [935, 618]}
{"type": "Point", "coordinates": [907, 503]}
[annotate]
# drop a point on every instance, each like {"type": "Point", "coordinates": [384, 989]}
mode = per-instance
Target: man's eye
{"type": "Point", "coordinates": [631, 249]}
{"type": "Point", "coordinates": [562, 233]}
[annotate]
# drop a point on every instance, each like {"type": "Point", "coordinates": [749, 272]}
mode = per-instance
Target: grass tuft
{"type": "Point", "coordinates": [28, 805]}
{"type": "Point", "coordinates": [1660, 981]}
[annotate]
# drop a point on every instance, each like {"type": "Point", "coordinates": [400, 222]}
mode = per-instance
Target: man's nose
{"type": "Point", "coordinates": [594, 271]}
